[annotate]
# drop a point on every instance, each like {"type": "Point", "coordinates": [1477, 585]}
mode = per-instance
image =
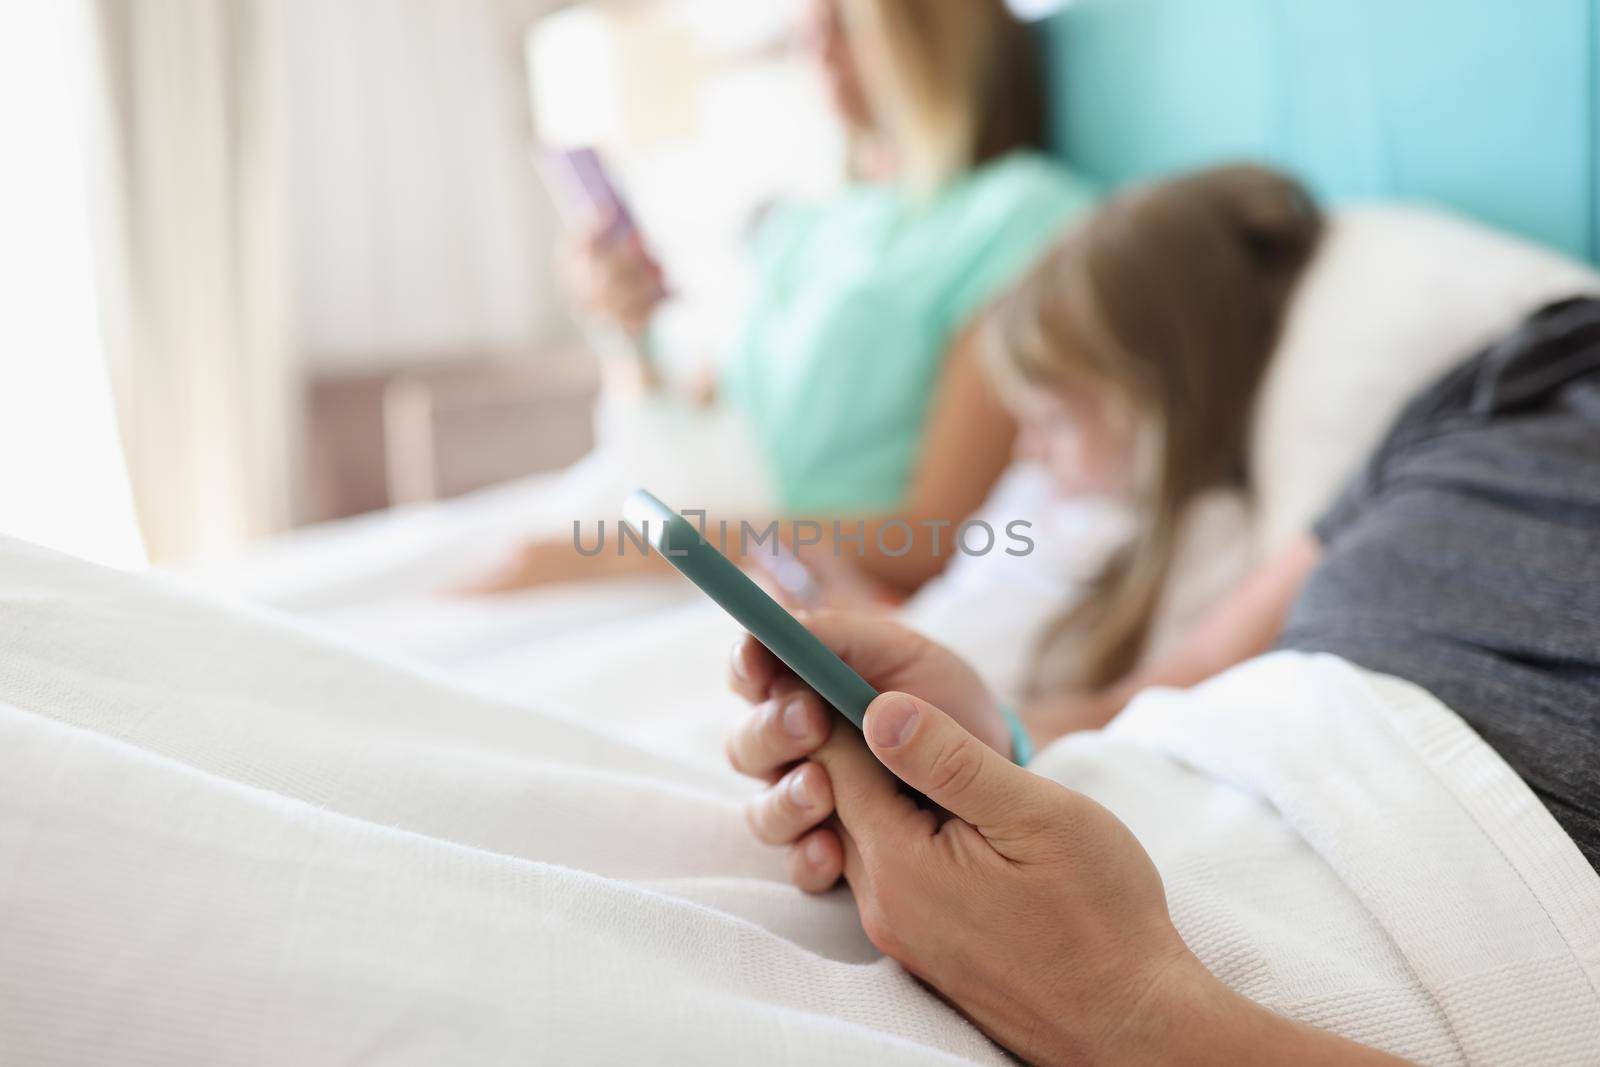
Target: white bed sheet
{"type": "Point", "coordinates": [227, 838]}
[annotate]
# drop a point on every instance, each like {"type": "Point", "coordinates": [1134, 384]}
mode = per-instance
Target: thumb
{"type": "Point", "coordinates": [934, 754]}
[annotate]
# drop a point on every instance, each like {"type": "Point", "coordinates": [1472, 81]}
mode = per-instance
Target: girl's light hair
{"type": "Point", "coordinates": [951, 83]}
{"type": "Point", "coordinates": [1167, 301]}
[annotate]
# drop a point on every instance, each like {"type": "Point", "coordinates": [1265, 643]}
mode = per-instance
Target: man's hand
{"type": "Point", "coordinates": [1032, 909]}
{"type": "Point", "coordinates": [790, 722]}
{"type": "Point", "coordinates": [1027, 906]}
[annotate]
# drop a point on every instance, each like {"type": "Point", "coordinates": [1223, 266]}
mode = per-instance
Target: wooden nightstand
{"type": "Point", "coordinates": [435, 429]}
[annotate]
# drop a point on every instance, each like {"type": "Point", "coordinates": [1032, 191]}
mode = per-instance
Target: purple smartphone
{"type": "Point", "coordinates": [584, 190]}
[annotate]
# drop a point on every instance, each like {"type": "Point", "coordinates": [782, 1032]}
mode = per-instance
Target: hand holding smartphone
{"type": "Point", "coordinates": [588, 198]}
{"type": "Point", "coordinates": [611, 273]}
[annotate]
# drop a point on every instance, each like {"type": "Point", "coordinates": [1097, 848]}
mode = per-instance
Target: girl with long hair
{"type": "Point", "coordinates": [1133, 352]}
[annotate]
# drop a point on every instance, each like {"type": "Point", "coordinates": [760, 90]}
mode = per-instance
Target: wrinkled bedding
{"type": "Point", "coordinates": [227, 835]}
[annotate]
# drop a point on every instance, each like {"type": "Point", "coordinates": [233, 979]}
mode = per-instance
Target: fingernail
{"type": "Point", "coordinates": [736, 660]}
{"type": "Point", "coordinates": [799, 795]}
{"type": "Point", "coordinates": [796, 723]}
{"type": "Point", "coordinates": [893, 722]}
{"type": "Point", "coordinates": [816, 852]}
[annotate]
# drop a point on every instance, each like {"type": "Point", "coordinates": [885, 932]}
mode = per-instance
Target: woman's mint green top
{"type": "Point", "coordinates": [856, 303]}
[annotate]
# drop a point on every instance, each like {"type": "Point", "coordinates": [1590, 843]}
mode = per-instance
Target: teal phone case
{"type": "Point", "coordinates": [719, 578]}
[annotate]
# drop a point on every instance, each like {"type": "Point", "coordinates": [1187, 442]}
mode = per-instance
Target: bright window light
{"type": "Point", "coordinates": [62, 479]}
{"type": "Point", "coordinates": [572, 68]}
{"type": "Point", "coordinates": [1036, 9]}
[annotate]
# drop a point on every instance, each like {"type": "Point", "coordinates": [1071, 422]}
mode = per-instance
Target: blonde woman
{"type": "Point", "coordinates": [855, 365]}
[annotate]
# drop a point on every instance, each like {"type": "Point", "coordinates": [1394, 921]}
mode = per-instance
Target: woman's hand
{"type": "Point", "coordinates": [613, 278]}
{"type": "Point", "coordinates": [790, 722]}
{"type": "Point", "coordinates": [1032, 909]}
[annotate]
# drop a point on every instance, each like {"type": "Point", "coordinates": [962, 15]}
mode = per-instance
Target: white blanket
{"type": "Point", "coordinates": [225, 837]}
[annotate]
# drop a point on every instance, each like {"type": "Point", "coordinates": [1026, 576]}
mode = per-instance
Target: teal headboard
{"type": "Point", "coordinates": [1487, 107]}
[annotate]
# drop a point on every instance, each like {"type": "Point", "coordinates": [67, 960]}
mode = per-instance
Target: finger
{"type": "Point", "coordinates": [789, 727]}
{"type": "Point", "coordinates": [632, 283]}
{"type": "Point", "coordinates": [867, 798]}
{"type": "Point", "coordinates": [935, 755]}
{"type": "Point", "coordinates": [634, 314]}
{"type": "Point", "coordinates": [622, 260]}
{"type": "Point", "coordinates": [853, 866]}
{"type": "Point", "coordinates": [816, 860]}
{"type": "Point", "coordinates": [752, 669]}
{"type": "Point", "coordinates": [598, 234]}
{"type": "Point", "coordinates": [798, 801]}
{"type": "Point", "coordinates": [611, 298]}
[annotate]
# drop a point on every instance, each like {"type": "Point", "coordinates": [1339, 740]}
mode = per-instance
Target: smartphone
{"type": "Point", "coordinates": [681, 545]}
{"type": "Point", "coordinates": [583, 189]}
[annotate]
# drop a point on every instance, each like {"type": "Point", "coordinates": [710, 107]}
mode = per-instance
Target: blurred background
{"type": "Point", "coordinates": [294, 261]}
{"type": "Point", "coordinates": [267, 263]}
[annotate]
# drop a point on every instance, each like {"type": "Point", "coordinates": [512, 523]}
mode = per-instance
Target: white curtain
{"type": "Point", "coordinates": [295, 187]}
{"type": "Point", "coordinates": [62, 483]}
{"type": "Point", "coordinates": [194, 267]}
{"type": "Point", "coordinates": [420, 226]}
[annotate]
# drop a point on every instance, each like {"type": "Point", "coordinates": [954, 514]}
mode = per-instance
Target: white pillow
{"type": "Point", "coordinates": [1395, 296]}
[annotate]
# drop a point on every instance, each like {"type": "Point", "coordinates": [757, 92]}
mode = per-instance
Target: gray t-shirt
{"type": "Point", "coordinates": [1465, 557]}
